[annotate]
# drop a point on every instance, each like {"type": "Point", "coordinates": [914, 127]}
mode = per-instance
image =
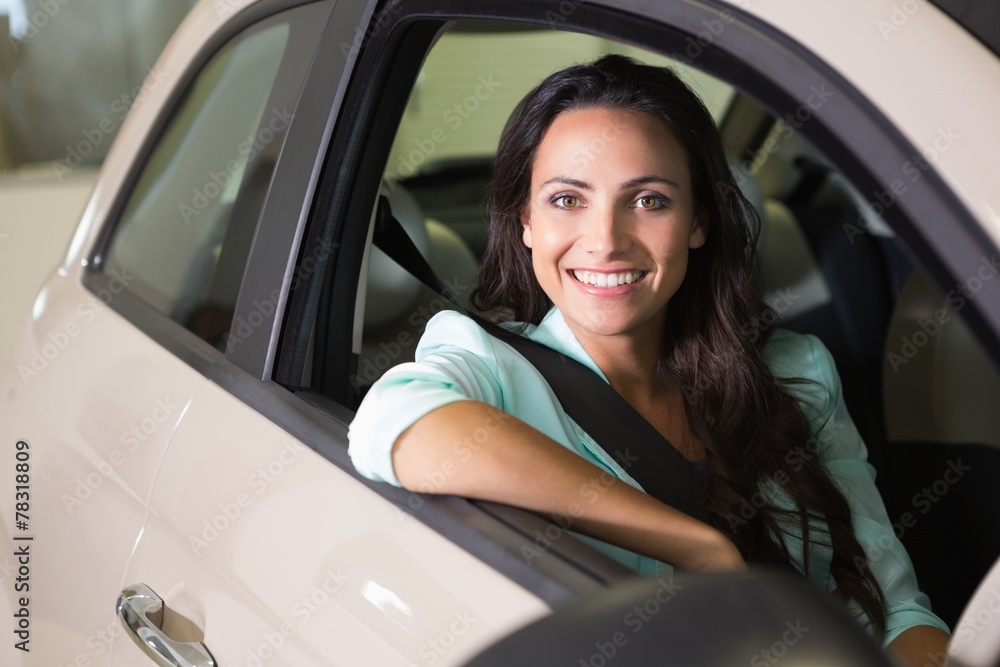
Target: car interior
{"type": "Point", "coordinates": [920, 393]}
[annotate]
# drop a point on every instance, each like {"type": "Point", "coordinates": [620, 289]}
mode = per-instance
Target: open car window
{"type": "Point", "coordinates": [830, 265]}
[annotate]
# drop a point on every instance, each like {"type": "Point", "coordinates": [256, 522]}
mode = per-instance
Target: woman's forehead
{"type": "Point", "coordinates": [602, 143]}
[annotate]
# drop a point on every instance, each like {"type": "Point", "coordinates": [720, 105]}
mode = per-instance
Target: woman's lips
{"type": "Point", "coordinates": [606, 280]}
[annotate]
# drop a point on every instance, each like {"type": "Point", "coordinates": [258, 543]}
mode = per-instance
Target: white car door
{"type": "Point", "coordinates": [84, 432]}
{"type": "Point", "coordinates": [282, 558]}
{"type": "Point", "coordinates": [258, 548]}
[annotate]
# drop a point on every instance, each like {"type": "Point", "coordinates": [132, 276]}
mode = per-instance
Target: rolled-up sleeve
{"type": "Point", "coordinates": [463, 368]}
{"type": "Point", "coordinates": [842, 452]}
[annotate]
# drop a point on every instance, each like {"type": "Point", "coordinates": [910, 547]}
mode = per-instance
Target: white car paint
{"type": "Point", "coordinates": [39, 212]}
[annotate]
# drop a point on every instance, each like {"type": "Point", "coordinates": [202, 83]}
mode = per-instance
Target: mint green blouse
{"type": "Point", "coordinates": [457, 360]}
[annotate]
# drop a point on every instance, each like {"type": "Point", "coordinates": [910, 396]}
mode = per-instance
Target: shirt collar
{"type": "Point", "coordinates": [553, 332]}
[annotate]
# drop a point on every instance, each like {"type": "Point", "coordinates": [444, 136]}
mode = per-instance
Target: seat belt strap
{"type": "Point", "coordinates": [588, 400]}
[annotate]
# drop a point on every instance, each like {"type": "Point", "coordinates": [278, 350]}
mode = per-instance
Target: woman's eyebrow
{"type": "Point", "coordinates": [566, 180]}
{"type": "Point", "coordinates": [650, 178]}
{"type": "Point", "coordinates": [631, 183]}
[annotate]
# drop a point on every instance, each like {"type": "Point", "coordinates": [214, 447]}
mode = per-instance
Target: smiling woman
{"type": "Point", "coordinates": [626, 245]}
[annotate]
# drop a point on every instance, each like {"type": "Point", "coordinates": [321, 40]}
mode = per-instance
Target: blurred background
{"type": "Point", "coordinates": [69, 72]}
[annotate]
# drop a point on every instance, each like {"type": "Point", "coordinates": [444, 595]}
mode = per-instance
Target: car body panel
{"type": "Point", "coordinates": [97, 430]}
{"type": "Point", "coordinates": [275, 545]}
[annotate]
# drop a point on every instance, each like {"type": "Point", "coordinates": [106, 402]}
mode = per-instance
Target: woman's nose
{"type": "Point", "coordinates": [604, 233]}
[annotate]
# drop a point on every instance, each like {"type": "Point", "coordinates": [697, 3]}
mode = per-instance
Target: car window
{"type": "Point", "coordinates": [473, 78]}
{"type": "Point", "coordinates": [185, 231]}
{"type": "Point", "coordinates": [830, 266]}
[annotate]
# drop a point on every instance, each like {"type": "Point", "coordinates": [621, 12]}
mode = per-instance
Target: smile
{"type": "Point", "coordinates": [608, 279]}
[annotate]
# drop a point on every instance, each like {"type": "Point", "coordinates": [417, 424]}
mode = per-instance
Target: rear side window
{"type": "Point", "coordinates": [185, 232]}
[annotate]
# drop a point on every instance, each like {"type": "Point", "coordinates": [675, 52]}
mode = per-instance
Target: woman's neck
{"type": "Point", "coordinates": [629, 361]}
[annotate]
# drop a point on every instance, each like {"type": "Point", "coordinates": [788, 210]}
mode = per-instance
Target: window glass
{"type": "Point", "coordinates": [185, 233]}
{"type": "Point", "coordinates": [472, 79]}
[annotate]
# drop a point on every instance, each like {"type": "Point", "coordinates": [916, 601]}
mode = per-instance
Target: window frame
{"type": "Point", "coordinates": [176, 338]}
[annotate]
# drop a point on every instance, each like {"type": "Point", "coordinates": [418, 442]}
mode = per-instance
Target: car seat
{"type": "Point", "coordinates": [943, 448]}
{"type": "Point", "coordinates": [396, 306]}
{"type": "Point", "coordinates": [827, 282]}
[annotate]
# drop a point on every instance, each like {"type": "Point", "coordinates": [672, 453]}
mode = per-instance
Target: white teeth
{"type": "Point", "coordinates": [607, 279]}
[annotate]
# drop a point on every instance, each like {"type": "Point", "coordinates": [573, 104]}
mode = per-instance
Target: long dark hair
{"type": "Point", "coordinates": [750, 425]}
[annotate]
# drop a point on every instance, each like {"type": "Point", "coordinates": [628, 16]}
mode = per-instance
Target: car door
{"type": "Point", "coordinates": [260, 545]}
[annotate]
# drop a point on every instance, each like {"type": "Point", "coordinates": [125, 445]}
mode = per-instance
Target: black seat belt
{"type": "Point", "coordinates": [588, 400]}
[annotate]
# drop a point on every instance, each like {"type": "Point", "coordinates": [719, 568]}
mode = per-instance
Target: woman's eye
{"type": "Point", "coordinates": [566, 201]}
{"type": "Point", "coordinates": [650, 202]}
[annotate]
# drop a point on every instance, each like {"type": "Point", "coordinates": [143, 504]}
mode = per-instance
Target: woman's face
{"type": "Point", "coordinates": [610, 220]}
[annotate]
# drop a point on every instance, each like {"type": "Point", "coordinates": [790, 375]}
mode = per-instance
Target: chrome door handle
{"type": "Point", "coordinates": [141, 612]}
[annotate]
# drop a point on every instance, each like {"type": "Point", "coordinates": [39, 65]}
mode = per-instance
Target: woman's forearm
{"type": "Point", "coordinates": [920, 646]}
{"type": "Point", "coordinates": [474, 450]}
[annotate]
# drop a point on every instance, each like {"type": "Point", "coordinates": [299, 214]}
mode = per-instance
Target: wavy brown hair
{"type": "Point", "coordinates": [749, 422]}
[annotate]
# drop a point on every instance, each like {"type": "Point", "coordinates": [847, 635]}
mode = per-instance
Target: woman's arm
{"type": "Point", "coordinates": [518, 465]}
{"type": "Point", "coordinates": [909, 621]}
{"type": "Point", "coordinates": [920, 646]}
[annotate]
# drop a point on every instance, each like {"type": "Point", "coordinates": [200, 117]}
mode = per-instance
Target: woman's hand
{"type": "Point", "coordinates": [518, 465]}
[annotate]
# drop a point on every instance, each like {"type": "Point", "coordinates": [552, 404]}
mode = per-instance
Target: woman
{"type": "Point", "coordinates": [619, 237]}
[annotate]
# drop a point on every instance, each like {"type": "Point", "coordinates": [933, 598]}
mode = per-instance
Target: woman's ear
{"type": "Point", "coordinates": [526, 229]}
{"type": "Point", "coordinates": [699, 233]}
